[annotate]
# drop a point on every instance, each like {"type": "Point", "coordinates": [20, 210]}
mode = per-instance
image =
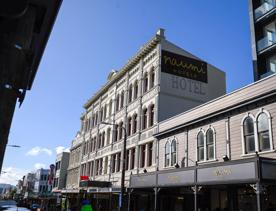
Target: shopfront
{"type": "Point", "coordinates": [244, 185]}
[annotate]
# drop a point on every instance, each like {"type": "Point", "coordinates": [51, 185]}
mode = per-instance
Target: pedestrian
{"type": "Point", "coordinates": [86, 205]}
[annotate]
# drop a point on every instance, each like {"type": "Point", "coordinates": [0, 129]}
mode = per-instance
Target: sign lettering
{"type": "Point", "coordinates": [184, 66]}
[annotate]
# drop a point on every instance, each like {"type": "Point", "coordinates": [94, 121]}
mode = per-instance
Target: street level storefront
{"type": "Point", "coordinates": [244, 185]}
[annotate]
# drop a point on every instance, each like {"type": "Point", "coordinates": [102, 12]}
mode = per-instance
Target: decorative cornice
{"type": "Point", "coordinates": [131, 63]}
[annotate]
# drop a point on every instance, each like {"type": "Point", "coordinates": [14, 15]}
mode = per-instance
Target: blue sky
{"type": "Point", "coordinates": [91, 37]}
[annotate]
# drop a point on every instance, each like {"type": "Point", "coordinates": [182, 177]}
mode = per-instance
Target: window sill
{"type": "Point", "coordinates": [259, 153]}
{"type": "Point", "coordinates": [207, 161]}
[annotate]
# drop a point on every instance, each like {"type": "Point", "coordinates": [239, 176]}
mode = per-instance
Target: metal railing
{"type": "Point", "coordinates": [266, 42]}
{"type": "Point", "coordinates": [264, 8]}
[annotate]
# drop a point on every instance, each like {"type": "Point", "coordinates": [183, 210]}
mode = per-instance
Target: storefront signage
{"type": "Point", "coordinates": [143, 181]}
{"type": "Point", "coordinates": [183, 66]}
{"type": "Point", "coordinates": [268, 170]}
{"type": "Point", "coordinates": [176, 178]}
{"type": "Point", "coordinates": [227, 174]}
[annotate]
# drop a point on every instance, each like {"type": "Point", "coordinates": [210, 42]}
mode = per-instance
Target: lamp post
{"type": "Point", "coordinates": [13, 145]}
{"type": "Point", "coordinates": [122, 201]}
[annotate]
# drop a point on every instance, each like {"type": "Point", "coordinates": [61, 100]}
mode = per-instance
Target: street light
{"type": "Point", "coordinates": [122, 201]}
{"type": "Point", "coordinates": [13, 145]}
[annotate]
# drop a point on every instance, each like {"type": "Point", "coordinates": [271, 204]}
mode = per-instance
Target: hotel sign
{"type": "Point", "coordinates": [227, 173]}
{"type": "Point", "coordinates": [183, 66]}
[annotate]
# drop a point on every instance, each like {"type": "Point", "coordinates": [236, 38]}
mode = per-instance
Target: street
{"type": "Point", "coordinates": [10, 205]}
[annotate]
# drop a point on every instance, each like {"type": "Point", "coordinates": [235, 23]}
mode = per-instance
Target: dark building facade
{"type": "Point", "coordinates": [263, 37]}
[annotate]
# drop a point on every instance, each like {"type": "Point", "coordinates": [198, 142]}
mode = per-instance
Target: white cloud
{"type": "Point", "coordinates": [39, 150]}
{"type": "Point", "coordinates": [11, 175]}
{"type": "Point", "coordinates": [61, 149]}
{"type": "Point", "coordinates": [39, 165]}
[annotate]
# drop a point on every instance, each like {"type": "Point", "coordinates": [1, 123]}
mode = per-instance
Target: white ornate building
{"type": "Point", "coordinates": [144, 92]}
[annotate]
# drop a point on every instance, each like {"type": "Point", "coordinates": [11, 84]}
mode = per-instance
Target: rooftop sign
{"type": "Point", "coordinates": [183, 66]}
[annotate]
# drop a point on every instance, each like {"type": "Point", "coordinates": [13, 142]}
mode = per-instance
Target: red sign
{"type": "Point", "coordinates": [84, 178]}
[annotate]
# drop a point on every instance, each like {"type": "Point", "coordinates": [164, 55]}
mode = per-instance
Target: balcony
{"type": "Point", "coordinates": [264, 9]}
{"type": "Point", "coordinates": [268, 73]}
{"type": "Point", "coordinates": [266, 42]}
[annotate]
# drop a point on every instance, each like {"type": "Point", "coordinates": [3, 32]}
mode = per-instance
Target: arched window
{"type": "Point", "coordinates": [130, 93]}
{"type": "Point", "coordinates": [200, 146]}
{"type": "Point", "coordinates": [103, 139]}
{"type": "Point", "coordinates": [173, 152]}
{"type": "Point", "coordinates": [151, 115]}
{"type": "Point", "coordinates": [129, 124]}
{"type": "Point", "coordinates": [152, 78]}
{"type": "Point", "coordinates": [108, 133]}
{"type": "Point", "coordinates": [263, 132]}
{"type": "Point", "coordinates": [134, 127]}
{"type": "Point", "coordinates": [116, 131]}
{"type": "Point", "coordinates": [99, 140]}
{"type": "Point", "coordinates": [105, 111]}
{"type": "Point", "coordinates": [122, 99]}
{"type": "Point", "coordinates": [110, 107]}
{"type": "Point", "coordinates": [102, 114]}
{"type": "Point", "coordinates": [118, 102]}
{"type": "Point", "coordinates": [145, 118]}
{"type": "Point", "coordinates": [167, 153]}
{"type": "Point", "coordinates": [145, 83]}
{"type": "Point", "coordinates": [135, 90]}
{"type": "Point", "coordinates": [96, 118]}
{"type": "Point", "coordinates": [210, 144]}
{"type": "Point", "coordinates": [120, 130]}
{"type": "Point", "coordinates": [248, 132]}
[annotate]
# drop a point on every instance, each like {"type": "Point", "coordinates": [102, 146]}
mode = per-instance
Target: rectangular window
{"type": "Point", "coordinates": [143, 155]}
{"type": "Point", "coordinates": [150, 148]}
{"type": "Point", "coordinates": [118, 162]}
{"type": "Point", "coordinates": [132, 159]}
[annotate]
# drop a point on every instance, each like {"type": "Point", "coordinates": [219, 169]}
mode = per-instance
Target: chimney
{"type": "Point", "coordinates": [161, 32]}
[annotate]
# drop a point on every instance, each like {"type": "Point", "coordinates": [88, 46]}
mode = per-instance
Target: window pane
{"type": "Point", "coordinates": [200, 153]}
{"type": "Point", "coordinates": [200, 139]}
{"type": "Point", "coordinates": [262, 122]}
{"type": "Point", "coordinates": [210, 136]}
{"type": "Point", "coordinates": [248, 126]}
{"type": "Point", "coordinates": [173, 146]}
{"type": "Point", "coordinates": [167, 160]}
{"type": "Point", "coordinates": [264, 141]}
{"type": "Point", "coordinates": [249, 144]}
{"type": "Point", "coordinates": [210, 152]}
{"type": "Point", "coordinates": [173, 160]}
{"type": "Point", "coordinates": [167, 148]}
